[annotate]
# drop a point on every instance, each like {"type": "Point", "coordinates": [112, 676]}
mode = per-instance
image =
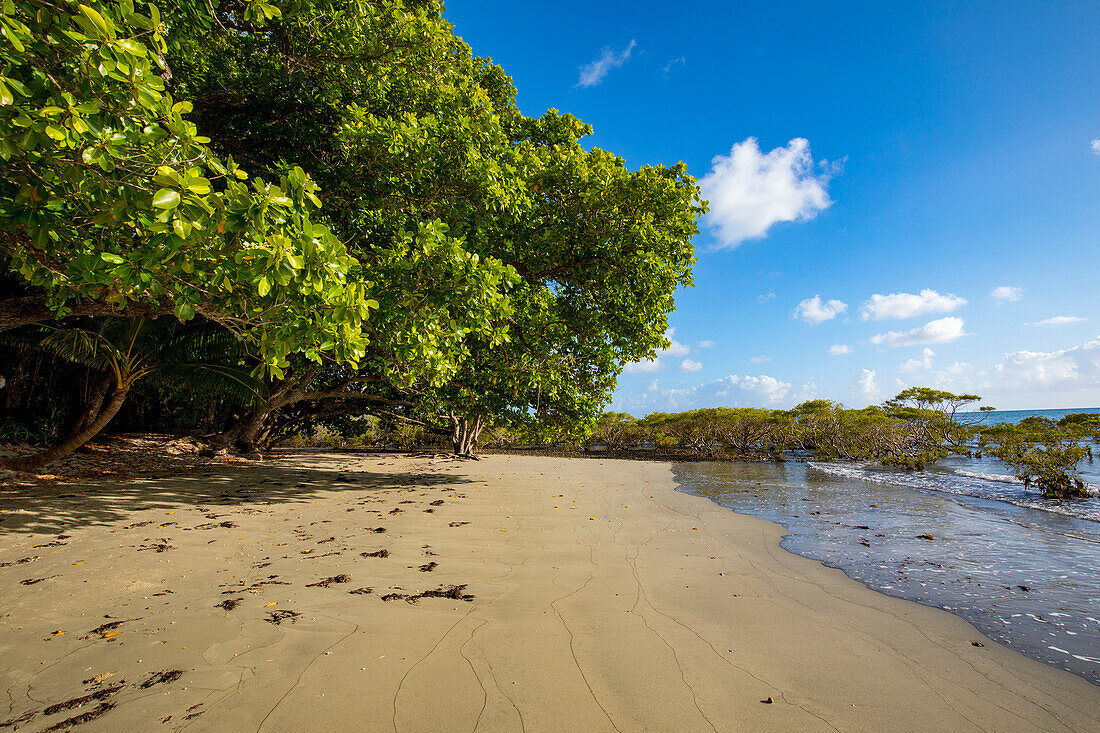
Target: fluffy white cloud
{"type": "Point", "coordinates": [593, 73]}
{"type": "Point", "coordinates": [690, 365]}
{"type": "Point", "coordinates": [815, 310]}
{"type": "Point", "coordinates": [706, 344]}
{"type": "Point", "coordinates": [760, 359]}
{"type": "Point", "coordinates": [1072, 369]}
{"type": "Point", "coordinates": [907, 305]}
{"type": "Point", "coordinates": [864, 388]}
{"type": "Point", "coordinates": [1006, 293]}
{"type": "Point", "coordinates": [1058, 321]}
{"type": "Point", "coordinates": [770, 295]}
{"type": "Point", "coordinates": [1094, 146]}
{"type": "Point", "coordinates": [839, 349]}
{"type": "Point", "coordinates": [749, 190]}
{"type": "Point", "coordinates": [675, 348]}
{"type": "Point", "coordinates": [940, 331]}
{"type": "Point", "coordinates": [919, 365]}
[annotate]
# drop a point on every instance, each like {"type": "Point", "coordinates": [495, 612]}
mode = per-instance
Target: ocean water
{"type": "Point", "coordinates": [1025, 571]}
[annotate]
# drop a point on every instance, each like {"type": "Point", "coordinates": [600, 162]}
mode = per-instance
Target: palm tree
{"type": "Point", "coordinates": [127, 350]}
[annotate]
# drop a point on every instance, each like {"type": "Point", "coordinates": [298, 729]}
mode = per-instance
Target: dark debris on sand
{"type": "Point", "coordinates": [329, 581]}
{"type": "Point", "coordinates": [20, 561]}
{"type": "Point", "coordinates": [103, 629]}
{"type": "Point", "coordinates": [162, 677]}
{"type": "Point", "coordinates": [99, 710]}
{"type": "Point", "coordinates": [229, 603]}
{"type": "Point", "coordinates": [278, 616]}
{"type": "Point", "coordinates": [161, 546]}
{"type": "Point", "coordinates": [377, 553]}
{"type": "Point", "coordinates": [454, 592]}
{"type": "Point", "coordinates": [77, 702]}
{"type": "Point", "coordinates": [34, 581]}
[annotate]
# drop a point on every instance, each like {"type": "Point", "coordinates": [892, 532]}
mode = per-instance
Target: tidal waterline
{"type": "Point", "coordinates": [1027, 577]}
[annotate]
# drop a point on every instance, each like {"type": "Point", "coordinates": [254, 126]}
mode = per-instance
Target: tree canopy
{"type": "Point", "coordinates": [345, 185]}
{"type": "Point", "coordinates": [112, 201]}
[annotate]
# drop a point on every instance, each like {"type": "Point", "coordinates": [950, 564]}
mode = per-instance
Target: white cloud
{"type": "Point", "coordinates": [1070, 369]}
{"type": "Point", "coordinates": [645, 366]}
{"type": "Point", "coordinates": [736, 390]}
{"type": "Point", "coordinates": [1094, 146]}
{"type": "Point", "coordinates": [706, 344]}
{"type": "Point", "coordinates": [814, 310]}
{"type": "Point", "coordinates": [675, 348]}
{"type": "Point", "coordinates": [594, 73]}
{"type": "Point", "coordinates": [808, 391]}
{"type": "Point", "coordinates": [770, 295]}
{"type": "Point", "coordinates": [672, 64]}
{"type": "Point", "coordinates": [690, 365]}
{"type": "Point", "coordinates": [839, 349]}
{"type": "Point", "coordinates": [919, 365]}
{"type": "Point", "coordinates": [864, 388]}
{"type": "Point", "coordinates": [907, 305]}
{"type": "Point", "coordinates": [1058, 321]}
{"type": "Point", "coordinates": [760, 359]}
{"type": "Point", "coordinates": [749, 191]}
{"type": "Point", "coordinates": [1006, 293]}
{"type": "Point", "coordinates": [940, 331]}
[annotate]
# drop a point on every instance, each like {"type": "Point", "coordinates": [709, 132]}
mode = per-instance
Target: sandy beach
{"type": "Point", "coordinates": [378, 592]}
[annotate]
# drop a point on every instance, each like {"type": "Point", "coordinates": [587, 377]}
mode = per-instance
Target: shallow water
{"type": "Point", "coordinates": [1024, 573]}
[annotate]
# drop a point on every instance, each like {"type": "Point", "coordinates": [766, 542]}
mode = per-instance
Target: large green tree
{"type": "Point", "coordinates": [600, 251]}
{"type": "Point", "coordinates": [515, 269]}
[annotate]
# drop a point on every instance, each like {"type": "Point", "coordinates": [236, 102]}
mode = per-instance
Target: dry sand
{"type": "Point", "coordinates": [601, 600]}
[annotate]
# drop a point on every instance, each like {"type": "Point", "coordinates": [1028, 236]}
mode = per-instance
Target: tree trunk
{"type": "Point", "coordinates": [465, 433]}
{"type": "Point", "coordinates": [94, 405]}
{"type": "Point", "coordinates": [245, 435]}
{"type": "Point", "coordinates": [248, 431]}
{"type": "Point", "coordinates": [32, 463]}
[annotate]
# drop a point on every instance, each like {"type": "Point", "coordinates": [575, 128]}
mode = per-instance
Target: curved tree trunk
{"type": "Point", "coordinates": [32, 463]}
{"type": "Point", "coordinates": [94, 406]}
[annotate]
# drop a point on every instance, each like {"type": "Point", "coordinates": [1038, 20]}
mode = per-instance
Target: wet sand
{"type": "Point", "coordinates": [371, 592]}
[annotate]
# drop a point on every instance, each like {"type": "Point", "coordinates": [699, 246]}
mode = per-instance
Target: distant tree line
{"type": "Point", "coordinates": [916, 428]}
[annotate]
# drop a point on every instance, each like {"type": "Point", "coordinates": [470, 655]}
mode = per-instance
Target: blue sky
{"type": "Point", "coordinates": [939, 156]}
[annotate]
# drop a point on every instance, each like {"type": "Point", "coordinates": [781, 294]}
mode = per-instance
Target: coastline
{"type": "Point", "coordinates": [603, 599]}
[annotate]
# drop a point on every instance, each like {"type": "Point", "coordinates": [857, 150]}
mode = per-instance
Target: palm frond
{"type": "Point", "coordinates": [81, 346]}
{"type": "Point", "coordinates": [236, 383]}
{"type": "Point", "coordinates": [25, 337]}
{"type": "Point", "coordinates": [202, 341]}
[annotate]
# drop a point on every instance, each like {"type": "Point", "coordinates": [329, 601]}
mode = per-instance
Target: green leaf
{"type": "Point", "coordinates": [166, 198]}
{"type": "Point", "coordinates": [185, 311]}
{"type": "Point", "coordinates": [111, 257]}
{"type": "Point", "coordinates": [96, 20]}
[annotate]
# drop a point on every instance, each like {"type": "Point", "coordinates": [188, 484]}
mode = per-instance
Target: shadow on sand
{"type": "Point", "coordinates": [77, 502]}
